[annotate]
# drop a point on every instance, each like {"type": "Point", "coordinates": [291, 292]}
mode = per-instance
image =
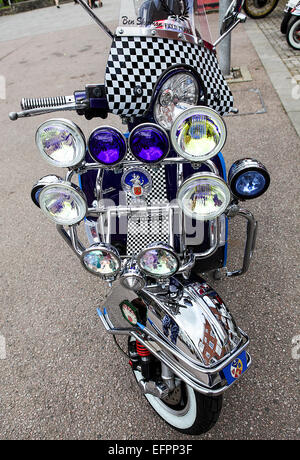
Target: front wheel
{"type": "Point", "coordinates": [184, 409]}
{"type": "Point", "coordinates": [293, 33]}
{"type": "Point", "coordinates": [258, 9]}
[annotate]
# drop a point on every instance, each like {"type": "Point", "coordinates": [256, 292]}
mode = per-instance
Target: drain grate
{"type": "Point", "coordinates": [248, 102]}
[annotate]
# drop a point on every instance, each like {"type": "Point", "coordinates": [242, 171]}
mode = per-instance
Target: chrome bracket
{"type": "Point", "coordinates": [159, 390]}
{"type": "Point", "coordinates": [222, 273]}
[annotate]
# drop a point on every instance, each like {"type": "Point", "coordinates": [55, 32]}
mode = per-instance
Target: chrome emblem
{"type": "Point", "coordinates": [137, 182]}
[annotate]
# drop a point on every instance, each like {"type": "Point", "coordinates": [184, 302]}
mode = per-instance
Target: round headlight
{"type": "Point", "coordinates": [248, 179]}
{"type": "Point", "coordinates": [198, 134]}
{"type": "Point", "coordinates": [204, 196]}
{"type": "Point", "coordinates": [149, 143]}
{"type": "Point", "coordinates": [38, 187]}
{"type": "Point", "coordinates": [107, 146]}
{"type": "Point", "coordinates": [102, 260]}
{"type": "Point", "coordinates": [181, 88]}
{"type": "Point", "coordinates": [64, 203]}
{"type": "Point", "coordinates": [158, 260]}
{"type": "Point", "coordinates": [61, 143]}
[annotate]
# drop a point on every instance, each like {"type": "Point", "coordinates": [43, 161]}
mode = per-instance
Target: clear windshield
{"type": "Point", "coordinates": [168, 16]}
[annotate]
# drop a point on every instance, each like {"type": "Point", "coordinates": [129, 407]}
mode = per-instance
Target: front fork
{"type": "Point", "coordinates": [159, 383]}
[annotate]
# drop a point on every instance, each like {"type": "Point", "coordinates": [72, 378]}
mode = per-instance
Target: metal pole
{"type": "Point", "coordinates": [225, 45]}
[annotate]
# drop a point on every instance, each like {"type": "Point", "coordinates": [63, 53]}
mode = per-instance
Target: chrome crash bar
{"type": "Point", "coordinates": [169, 355]}
{"type": "Point", "coordinates": [251, 235]}
{"type": "Point", "coordinates": [70, 235]}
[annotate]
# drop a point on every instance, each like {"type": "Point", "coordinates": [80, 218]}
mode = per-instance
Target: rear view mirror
{"type": "Point", "coordinates": [231, 16]}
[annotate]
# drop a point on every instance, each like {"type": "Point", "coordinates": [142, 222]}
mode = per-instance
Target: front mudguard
{"type": "Point", "coordinates": [284, 24]}
{"type": "Point", "coordinates": [191, 331]}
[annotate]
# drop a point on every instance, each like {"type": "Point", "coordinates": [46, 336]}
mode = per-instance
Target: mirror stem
{"type": "Point", "coordinates": [240, 18]}
{"type": "Point", "coordinates": [96, 19]}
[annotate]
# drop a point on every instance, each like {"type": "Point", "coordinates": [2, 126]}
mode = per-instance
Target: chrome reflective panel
{"type": "Point", "coordinates": [194, 319]}
{"type": "Point", "coordinates": [188, 328]}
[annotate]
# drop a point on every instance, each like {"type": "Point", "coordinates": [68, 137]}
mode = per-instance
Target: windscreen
{"type": "Point", "coordinates": [166, 16]}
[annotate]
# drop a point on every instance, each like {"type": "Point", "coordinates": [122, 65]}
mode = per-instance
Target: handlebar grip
{"type": "Point", "coordinates": [46, 102]}
{"type": "Point", "coordinates": [40, 106]}
{"type": "Point", "coordinates": [92, 103]}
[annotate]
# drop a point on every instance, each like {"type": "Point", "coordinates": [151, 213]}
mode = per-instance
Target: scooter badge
{"type": "Point", "coordinates": [137, 182]}
{"type": "Point", "coordinates": [236, 368]}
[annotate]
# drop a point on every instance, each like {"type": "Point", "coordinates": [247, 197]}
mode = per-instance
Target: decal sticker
{"type": "Point", "coordinates": [236, 368]}
{"type": "Point", "coordinates": [129, 312]}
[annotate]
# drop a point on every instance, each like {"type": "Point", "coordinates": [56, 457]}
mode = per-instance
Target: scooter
{"type": "Point", "coordinates": [259, 9]}
{"type": "Point", "coordinates": [290, 25]}
{"type": "Point", "coordinates": [155, 202]}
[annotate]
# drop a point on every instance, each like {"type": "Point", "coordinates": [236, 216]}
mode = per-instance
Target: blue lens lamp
{"type": "Point", "coordinates": [107, 146]}
{"type": "Point", "coordinates": [149, 143]}
{"type": "Point", "coordinates": [248, 179]}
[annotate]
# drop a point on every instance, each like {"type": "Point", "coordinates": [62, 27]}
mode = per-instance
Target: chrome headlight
{"type": "Point", "coordinates": [248, 179]}
{"type": "Point", "coordinates": [204, 196]}
{"type": "Point", "coordinates": [158, 260]}
{"type": "Point", "coordinates": [61, 143]}
{"type": "Point", "coordinates": [149, 143]}
{"type": "Point", "coordinates": [107, 145]}
{"type": "Point", "coordinates": [181, 88]}
{"type": "Point", "coordinates": [102, 260]}
{"type": "Point", "coordinates": [198, 134]}
{"type": "Point", "coordinates": [64, 203]}
{"type": "Point", "coordinates": [38, 187]}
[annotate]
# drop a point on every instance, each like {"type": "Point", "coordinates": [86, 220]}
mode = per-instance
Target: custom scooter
{"type": "Point", "coordinates": [290, 25]}
{"type": "Point", "coordinates": [155, 201]}
{"type": "Point", "coordinates": [259, 9]}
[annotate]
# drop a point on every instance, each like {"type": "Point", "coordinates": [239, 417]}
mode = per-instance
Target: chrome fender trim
{"type": "Point", "coordinates": [188, 328]}
{"type": "Point", "coordinates": [194, 327]}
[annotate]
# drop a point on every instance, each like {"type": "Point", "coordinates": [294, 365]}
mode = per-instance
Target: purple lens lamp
{"type": "Point", "coordinates": [107, 146]}
{"type": "Point", "coordinates": [149, 143]}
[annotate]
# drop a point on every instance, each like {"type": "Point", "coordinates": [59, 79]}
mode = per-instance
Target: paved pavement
{"type": "Point", "coordinates": [62, 378]}
{"type": "Point", "coordinates": [270, 26]}
{"type": "Point", "coordinates": [281, 62]}
{"type": "Point", "coordinates": [68, 16]}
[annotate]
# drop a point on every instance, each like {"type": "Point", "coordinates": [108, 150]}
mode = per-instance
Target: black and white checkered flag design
{"type": "Point", "coordinates": [139, 62]}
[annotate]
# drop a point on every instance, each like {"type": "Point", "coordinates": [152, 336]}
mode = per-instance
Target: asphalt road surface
{"type": "Point", "coordinates": [61, 377]}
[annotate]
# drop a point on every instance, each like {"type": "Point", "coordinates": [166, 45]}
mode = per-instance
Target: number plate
{"type": "Point", "coordinates": [236, 368]}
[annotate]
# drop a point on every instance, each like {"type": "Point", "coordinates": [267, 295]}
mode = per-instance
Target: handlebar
{"type": "Point", "coordinates": [91, 103]}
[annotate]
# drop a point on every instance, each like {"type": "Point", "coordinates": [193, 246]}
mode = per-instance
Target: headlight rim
{"type": "Point", "coordinates": [196, 110]}
{"type": "Point", "coordinates": [157, 127]}
{"type": "Point", "coordinates": [242, 166]}
{"type": "Point", "coordinates": [73, 126]}
{"type": "Point", "coordinates": [71, 187]}
{"type": "Point", "coordinates": [203, 174]}
{"type": "Point", "coordinates": [41, 183]}
{"type": "Point", "coordinates": [166, 76]}
{"type": "Point", "coordinates": [104, 247]}
{"type": "Point", "coordinates": [157, 246]}
{"type": "Point", "coordinates": [120, 133]}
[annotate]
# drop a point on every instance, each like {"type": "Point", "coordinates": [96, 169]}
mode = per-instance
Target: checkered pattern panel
{"type": "Point", "coordinates": [138, 62]}
{"type": "Point", "coordinates": [146, 229]}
